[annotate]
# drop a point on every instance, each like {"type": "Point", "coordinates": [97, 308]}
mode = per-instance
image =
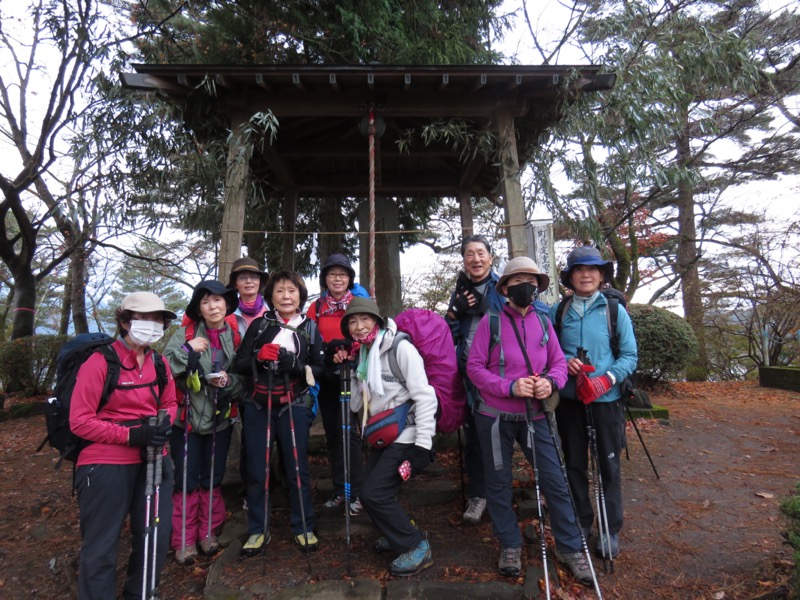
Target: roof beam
{"type": "Point", "coordinates": [417, 103]}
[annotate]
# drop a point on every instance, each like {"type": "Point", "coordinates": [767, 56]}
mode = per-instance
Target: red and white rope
{"type": "Point", "coordinates": [371, 130]}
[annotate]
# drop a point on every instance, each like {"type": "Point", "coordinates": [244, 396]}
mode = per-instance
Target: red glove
{"type": "Point", "coordinates": [269, 352]}
{"type": "Point", "coordinates": [590, 390]}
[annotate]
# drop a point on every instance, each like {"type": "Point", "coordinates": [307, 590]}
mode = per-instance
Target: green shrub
{"type": "Point", "coordinates": [667, 344]}
{"type": "Point", "coordinates": [28, 365]}
{"type": "Point", "coordinates": [790, 507]}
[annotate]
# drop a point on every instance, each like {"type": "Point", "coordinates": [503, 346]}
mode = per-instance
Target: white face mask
{"type": "Point", "coordinates": [145, 333]}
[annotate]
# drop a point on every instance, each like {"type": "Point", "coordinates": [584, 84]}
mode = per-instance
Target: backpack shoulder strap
{"type": "Point", "coordinates": [317, 306]}
{"type": "Point", "coordinates": [234, 326]}
{"type": "Point", "coordinates": [560, 311]}
{"type": "Point", "coordinates": [545, 329]}
{"type": "Point", "coordinates": [612, 314]}
{"type": "Point", "coordinates": [393, 365]}
{"type": "Point", "coordinates": [161, 373]}
{"type": "Point", "coordinates": [112, 374]}
{"type": "Point", "coordinates": [495, 339]}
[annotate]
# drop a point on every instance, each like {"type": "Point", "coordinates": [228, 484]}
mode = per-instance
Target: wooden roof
{"type": "Point", "coordinates": [319, 150]}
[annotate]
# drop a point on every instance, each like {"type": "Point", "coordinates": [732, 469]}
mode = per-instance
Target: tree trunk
{"type": "Point", "coordinates": [77, 297]}
{"type": "Point", "coordinates": [25, 303]}
{"type": "Point", "coordinates": [688, 257]}
{"type": "Point", "coordinates": [66, 308]}
{"type": "Point", "coordinates": [331, 219]}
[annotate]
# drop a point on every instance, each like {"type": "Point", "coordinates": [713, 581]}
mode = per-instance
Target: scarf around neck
{"type": "Point", "coordinates": [213, 336]}
{"type": "Point", "coordinates": [332, 305]}
{"type": "Point", "coordinates": [252, 308]}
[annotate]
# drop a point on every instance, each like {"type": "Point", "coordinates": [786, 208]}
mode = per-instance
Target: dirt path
{"type": "Point", "coordinates": [709, 528]}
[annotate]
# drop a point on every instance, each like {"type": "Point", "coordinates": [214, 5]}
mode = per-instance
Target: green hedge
{"type": "Point", "coordinates": [790, 507]}
{"type": "Point", "coordinates": [28, 365]}
{"type": "Point", "coordinates": [667, 344]}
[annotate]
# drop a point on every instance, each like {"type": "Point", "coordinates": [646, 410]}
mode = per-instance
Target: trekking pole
{"type": "Point", "coordinates": [599, 493]}
{"type": "Point", "coordinates": [183, 474]}
{"type": "Point", "coordinates": [344, 372]}
{"type": "Point", "coordinates": [551, 424]}
{"type": "Point", "coordinates": [597, 478]}
{"type": "Point", "coordinates": [636, 429]}
{"type": "Point", "coordinates": [159, 458]}
{"type": "Point", "coordinates": [461, 467]}
{"type": "Point", "coordinates": [150, 454]}
{"type": "Point", "coordinates": [298, 482]}
{"type": "Point", "coordinates": [532, 446]}
{"type": "Point", "coordinates": [268, 457]}
{"type": "Point", "coordinates": [211, 476]}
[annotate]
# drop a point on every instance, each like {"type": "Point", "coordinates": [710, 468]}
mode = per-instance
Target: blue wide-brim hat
{"type": "Point", "coordinates": [586, 255]}
{"type": "Point", "coordinates": [211, 286]}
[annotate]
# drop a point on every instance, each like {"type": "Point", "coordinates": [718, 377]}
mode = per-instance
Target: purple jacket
{"type": "Point", "coordinates": [483, 369]}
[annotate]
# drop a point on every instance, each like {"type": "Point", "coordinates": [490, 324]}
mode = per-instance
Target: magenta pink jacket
{"type": "Point", "coordinates": [103, 427]}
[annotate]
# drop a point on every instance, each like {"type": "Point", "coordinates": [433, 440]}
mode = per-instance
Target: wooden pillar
{"type": "Point", "coordinates": [465, 207]}
{"type": "Point", "coordinates": [230, 247]}
{"type": "Point", "coordinates": [289, 228]}
{"type": "Point", "coordinates": [513, 204]}
{"type": "Point", "coordinates": [388, 284]}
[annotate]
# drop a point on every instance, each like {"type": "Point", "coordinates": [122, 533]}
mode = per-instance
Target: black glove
{"type": "Point", "coordinates": [150, 435]}
{"type": "Point", "coordinates": [223, 405]}
{"type": "Point", "coordinates": [332, 348]}
{"type": "Point", "coordinates": [420, 458]}
{"type": "Point", "coordinates": [288, 363]}
{"type": "Point", "coordinates": [460, 305]}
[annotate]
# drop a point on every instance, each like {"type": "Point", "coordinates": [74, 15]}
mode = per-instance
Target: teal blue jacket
{"type": "Point", "coordinates": [591, 333]}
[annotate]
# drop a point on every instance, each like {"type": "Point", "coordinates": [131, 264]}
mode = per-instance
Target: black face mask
{"type": "Point", "coordinates": [523, 294]}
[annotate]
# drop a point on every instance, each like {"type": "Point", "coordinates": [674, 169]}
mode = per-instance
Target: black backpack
{"type": "Point", "coordinates": [73, 354]}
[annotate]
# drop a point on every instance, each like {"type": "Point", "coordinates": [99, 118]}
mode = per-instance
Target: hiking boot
{"type": "Point", "coordinates": [255, 544]}
{"type": "Point", "coordinates": [603, 543]}
{"type": "Point", "coordinates": [308, 542]}
{"type": "Point", "coordinates": [510, 563]}
{"type": "Point", "coordinates": [186, 555]}
{"type": "Point", "coordinates": [356, 507]}
{"type": "Point", "coordinates": [475, 508]}
{"type": "Point", "coordinates": [578, 565]}
{"type": "Point", "coordinates": [334, 501]}
{"type": "Point", "coordinates": [210, 545]}
{"type": "Point", "coordinates": [381, 545]}
{"type": "Point", "coordinates": [412, 561]}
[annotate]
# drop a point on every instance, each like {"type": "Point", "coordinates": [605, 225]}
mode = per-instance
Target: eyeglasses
{"type": "Point", "coordinates": [337, 275]}
{"type": "Point", "coordinates": [247, 277]}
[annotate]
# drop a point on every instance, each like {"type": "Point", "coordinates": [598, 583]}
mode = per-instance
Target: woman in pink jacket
{"type": "Point", "coordinates": [110, 472]}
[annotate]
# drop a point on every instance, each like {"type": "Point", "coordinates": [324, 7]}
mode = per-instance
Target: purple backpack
{"type": "Point", "coordinates": [430, 335]}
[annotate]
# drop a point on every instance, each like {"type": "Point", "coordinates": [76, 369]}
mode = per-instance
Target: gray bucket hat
{"type": "Point", "coordinates": [360, 306]}
{"type": "Point", "coordinates": [146, 302]}
{"type": "Point", "coordinates": [522, 264]}
{"type": "Point", "coordinates": [586, 255]}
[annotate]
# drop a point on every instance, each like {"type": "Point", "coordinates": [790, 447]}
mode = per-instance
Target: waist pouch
{"type": "Point", "coordinates": [385, 427]}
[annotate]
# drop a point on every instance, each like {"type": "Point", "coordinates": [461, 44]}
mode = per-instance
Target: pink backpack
{"type": "Point", "coordinates": [431, 336]}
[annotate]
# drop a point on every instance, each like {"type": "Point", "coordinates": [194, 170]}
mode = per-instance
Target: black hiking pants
{"type": "Point", "coordinates": [107, 494]}
{"type": "Point", "coordinates": [609, 425]}
{"type": "Point", "coordinates": [330, 408]}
